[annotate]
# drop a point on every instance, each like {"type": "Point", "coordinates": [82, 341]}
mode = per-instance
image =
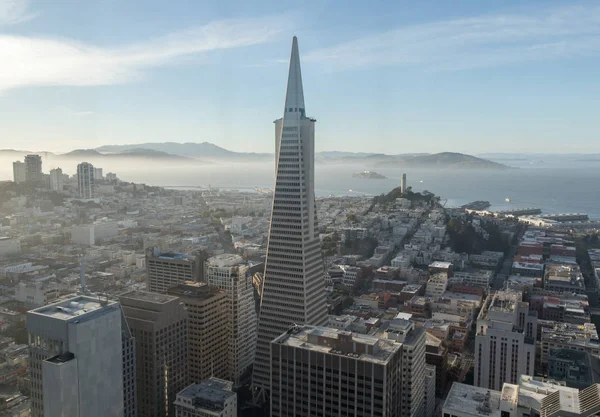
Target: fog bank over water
{"type": "Point", "coordinates": [554, 188]}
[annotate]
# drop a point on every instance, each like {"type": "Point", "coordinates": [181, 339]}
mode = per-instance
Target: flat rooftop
{"type": "Point", "coordinates": [148, 296]}
{"type": "Point", "coordinates": [475, 401]}
{"type": "Point", "coordinates": [324, 339]}
{"type": "Point", "coordinates": [80, 306]}
{"type": "Point", "coordinates": [225, 259]}
{"type": "Point", "coordinates": [210, 393]}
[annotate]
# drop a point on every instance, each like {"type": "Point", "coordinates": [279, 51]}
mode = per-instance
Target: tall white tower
{"type": "Point", "coordinates": [294, 288]}
{"type": "Point", "coordinates": [85, 180]}
{"type": "Point", "coordinates": [56, 179]}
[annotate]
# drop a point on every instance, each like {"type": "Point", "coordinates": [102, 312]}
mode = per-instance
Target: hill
{"type": "Point", "coordinates": [204, 150]}
{"type": "Point", "coordinates": [452, 160]}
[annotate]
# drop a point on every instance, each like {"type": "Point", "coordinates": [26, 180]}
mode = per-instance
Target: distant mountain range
{"type": "Point", "coordinates": [190, 153]}
{"type": "Point", "coordinates": [204, 150]}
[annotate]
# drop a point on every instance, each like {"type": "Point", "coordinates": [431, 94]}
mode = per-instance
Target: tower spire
{"type": "Point", "coordinates": [294, 98]}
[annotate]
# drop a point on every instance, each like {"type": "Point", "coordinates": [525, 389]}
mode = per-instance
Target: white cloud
{"type": "Point", "coordinates": [483, 41]}
{"type": "Point", "coordinates": [13, 12]}
{"type": "Point", "coordinates": [39, 61]}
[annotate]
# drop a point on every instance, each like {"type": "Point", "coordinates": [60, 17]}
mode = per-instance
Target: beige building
{"type": "Point", "coordinates": [331, 372]}
{"type": "Point", "coordinates": [229, 273]}
{"type": "Point", "coordinates": [169, 269]}
{"type": "Point", "coordinates": [208, 329]}
{"type": "Point", "coordinates": [158, 322]}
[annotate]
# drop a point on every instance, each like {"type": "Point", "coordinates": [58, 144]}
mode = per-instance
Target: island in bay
{"type": "Point", "coordinates": [369, 175]}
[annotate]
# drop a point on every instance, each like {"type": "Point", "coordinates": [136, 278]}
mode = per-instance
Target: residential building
{"type": "Point", "coordinates": [294, 288]}
{"type": "Point", "coordinates": [98, 173]}
{"type": "Point", "coordinates": [209, 327]}
{"type": "Point", "coordinates": [158, 323]}
{"type": "Point", "coordinates": [33, 169]}
{"type": "Point", "coordinates": [35, 293]}
{"type": "Point", "coordinates": [481, 278]}
{"type": "Point", "coordinates": [76, 354]}
{"type": "Point", "coordinates": [436, 354]}
{"type": "Point", "coordinates": [9, 246]}
{"type": "Point", "coordinates": [528, 269]}
{"type": "Point", "coordinates": [436, 285]}
{"type": "Point", "coordinates": [85, 181]}
{"type": "Point", "coordinates": [56, 180]}
{"type": "Point", "coordinates": [169, 269]}
{"type": "Point", "coordinates": [579, 337]}
{"type": "Point", "coordinates": [91, 234]}
{"type": "Point", "coordinates": [564, 279]}
{"type": "Point", "coordinates": [212, 397]}
{"type": "Point", "coordinates": [575, 368]}
{"type": "Point", "coordinates": [19, 172]}
{"type": "Point", "coordinates": [230, 274]}
{"type": "Point", "coordinates": [334, 372]}
{"type": "Point", "coordinates": [505, 340]}
{"type": "Point", "coordinates": [413, 382]}
{"type": "Point", "coordinates": [530, 397]}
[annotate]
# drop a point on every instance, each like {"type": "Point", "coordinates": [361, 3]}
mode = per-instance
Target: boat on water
{"type": "Point", "coordinates": [507, 200]}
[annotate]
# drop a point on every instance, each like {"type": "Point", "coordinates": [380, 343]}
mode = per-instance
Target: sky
{"type": "Point", "coordinates": [379, 76]}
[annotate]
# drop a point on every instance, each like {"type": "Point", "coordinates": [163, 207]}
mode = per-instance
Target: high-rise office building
{"type": "Point", "coordinates": [33, 168]}
{"type": "Point", "coordinates": [85, 180]}
{"type": "Point", "coordinates": [212, 397]}
{"type": "Point", "coordinates": [331, 372]}
{"type": "Point", "coordinates": [429, 393]}
{"type": "Point", "coordinates": [294, 288]}
{"type": "Point", "coordinates": [56, 179]}
{"type": "Point", "coordinates": [19, 172]}
{"type": "Point", "coordinates": [169, 269]}
{"type": "Point", "coordinates": [76, 358]}
{"type": "Point", "coordinates": [413, 383]}
{"type": "Point", "coordinates": [129, 366]}
{"type": "Point", "coordinates": [229, 273]}
{"type": "Point", "coordinates": [158, 323]}
{"type": "Point", "coordinates": [505, 340]}
{"type": "Point", "coordinates": [208, 329]}
{"type": "Point", "coordinates": [98, 174]}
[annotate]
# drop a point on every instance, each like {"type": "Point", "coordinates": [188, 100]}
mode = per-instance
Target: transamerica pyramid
{"type": "Point", "coordinates": [294, 286]}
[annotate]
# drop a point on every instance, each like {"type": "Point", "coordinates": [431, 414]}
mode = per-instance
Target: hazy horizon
{"type": "Point", "coordinates": [472, 78]}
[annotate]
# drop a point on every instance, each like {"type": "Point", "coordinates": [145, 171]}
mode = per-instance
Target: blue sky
{"type": "Point", "coordinates": [379, 76]}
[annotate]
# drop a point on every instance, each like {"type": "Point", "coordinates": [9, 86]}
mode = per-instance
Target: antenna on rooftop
{"type": "Point", "coordinates": [82, 273]}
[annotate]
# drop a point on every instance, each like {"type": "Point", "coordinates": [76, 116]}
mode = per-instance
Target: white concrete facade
{"type": "Point", "coordinates": [19, 175]}
{"type": "Point", "coordinates": [76, 355]}
{"type": "Point", "coordinates": [505, 340]}
{"type": "Point", "coordinates": [294, 288]}
{"type": "Point", "coordinates": [56, 180]}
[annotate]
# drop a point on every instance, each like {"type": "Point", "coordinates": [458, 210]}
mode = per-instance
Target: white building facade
{"type": "Point", "coordinates": [56, 180]}
{"type": "Point", "coordinates": [505, 340]}
{"type": "Point", "coordinates": [76, 359]}
{"type": "Point", "coordinates": [294, 288]}
{"type": "Point", "coordinates": [19, 172]}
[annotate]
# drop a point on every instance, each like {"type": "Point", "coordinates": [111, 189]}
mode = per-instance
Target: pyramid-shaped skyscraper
{"type": "Point", "coordinates": [294, 286]}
